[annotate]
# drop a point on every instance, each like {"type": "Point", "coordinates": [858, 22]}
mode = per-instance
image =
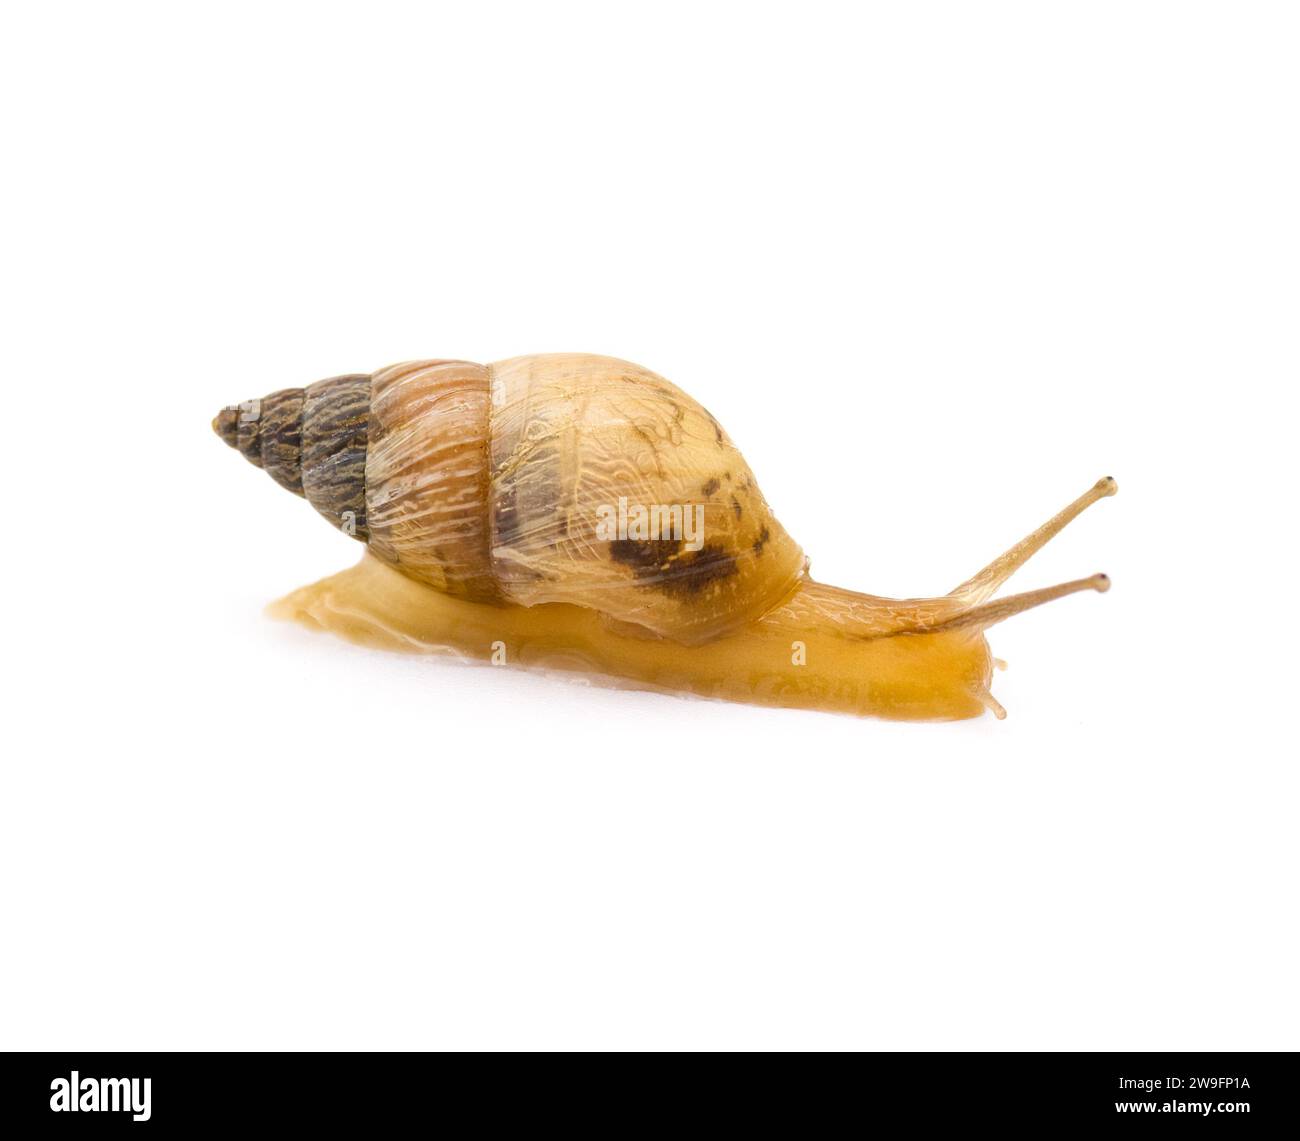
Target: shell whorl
{"type": "Point", "coordinates": [312, 441]}
{"type": "Point", "coordinates": [428, 476]}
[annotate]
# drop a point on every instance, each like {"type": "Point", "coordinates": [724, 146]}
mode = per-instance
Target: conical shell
{"type": "Point", "coordinates": [311, 441]}
{"type": "Point", "coordinates": [557, 478]}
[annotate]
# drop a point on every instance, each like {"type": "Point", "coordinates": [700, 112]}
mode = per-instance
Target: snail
{"type": "Point", "coordinates": [582, 513]}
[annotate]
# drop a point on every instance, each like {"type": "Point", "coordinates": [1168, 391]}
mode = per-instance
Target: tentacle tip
{"type": "Point", "coordinates": [1101, 583]}
{"type": "Point", "coordinates": [1107, 485]}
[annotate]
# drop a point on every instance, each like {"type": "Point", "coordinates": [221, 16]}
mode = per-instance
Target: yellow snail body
{"type": "Point", "coordinates": [582, 513]}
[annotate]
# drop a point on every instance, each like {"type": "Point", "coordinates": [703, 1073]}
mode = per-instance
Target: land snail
{"type": "Point", "coordinates": [582, 513]}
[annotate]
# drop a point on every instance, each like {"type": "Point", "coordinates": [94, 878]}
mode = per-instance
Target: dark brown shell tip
{"type": "Point", "coordinates": [226, 425]}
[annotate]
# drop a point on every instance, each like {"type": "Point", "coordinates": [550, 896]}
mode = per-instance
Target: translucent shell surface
{"type": "Point", "coordinates": [571, 478]}
{"type": "Point", "coordinates": [427, 475]}
{"type": "Point", "coordinates": [614, 490]}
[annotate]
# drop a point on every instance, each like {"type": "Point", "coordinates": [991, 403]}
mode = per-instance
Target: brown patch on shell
{"type": "Point", "coordinates": [664, 565]}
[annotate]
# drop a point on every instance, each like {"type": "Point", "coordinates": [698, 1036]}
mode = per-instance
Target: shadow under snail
{"type": "Point", "coordinates": [582, 513]}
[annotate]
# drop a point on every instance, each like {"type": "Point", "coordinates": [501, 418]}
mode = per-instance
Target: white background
{"type": "Point", "coordinates": [937, 267]}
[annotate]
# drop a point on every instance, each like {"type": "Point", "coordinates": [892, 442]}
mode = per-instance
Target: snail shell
{"type": "Point", "coordinates": [492, 483]}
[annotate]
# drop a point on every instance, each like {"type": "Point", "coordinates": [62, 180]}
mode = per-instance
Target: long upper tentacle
{"type": "Point", "coordinates": [981, 586]}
